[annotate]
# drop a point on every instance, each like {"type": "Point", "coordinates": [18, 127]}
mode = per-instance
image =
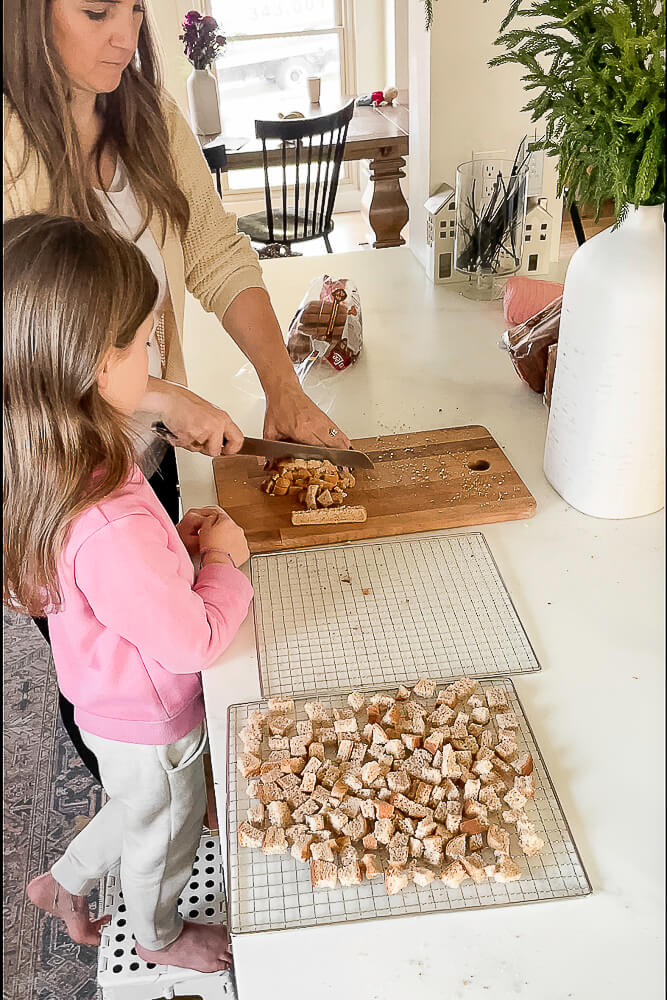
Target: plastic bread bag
{"type": "Point", "coordinates": [528, 344]}
{"type": "Point", "coordinates": [325, 335]}
{"type": "Point", "coordinates": [323, 339]}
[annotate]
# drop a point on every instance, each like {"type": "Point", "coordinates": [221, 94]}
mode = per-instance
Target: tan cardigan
{"type": "Point", "coordinates": [213, 261]}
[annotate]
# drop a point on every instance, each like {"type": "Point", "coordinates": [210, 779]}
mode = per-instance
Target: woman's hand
{"type": "Point", "coordinates": [188, 528]}
{"type": "Point", "coordinates": [195, 424]}
{"type": "Point", "coordinates": [292, 416]}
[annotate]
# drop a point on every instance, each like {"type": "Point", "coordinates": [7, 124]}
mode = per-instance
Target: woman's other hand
{"type": "Point", "coordinates": [194, 423]}
{"type": "Point", "coordinates": [292, 416]}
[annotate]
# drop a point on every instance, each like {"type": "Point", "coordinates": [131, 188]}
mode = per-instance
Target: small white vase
{"type": "Point", "coordinates": [606, 436]}
{"type": "Point", "coordinates": [203, 101]}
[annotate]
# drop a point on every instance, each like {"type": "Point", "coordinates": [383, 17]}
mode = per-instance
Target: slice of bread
{"type": "Point", "coordinates": [330, 515]}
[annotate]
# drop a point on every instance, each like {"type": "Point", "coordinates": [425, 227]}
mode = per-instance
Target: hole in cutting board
{"type": "Point", "coordinates": [479, 465]}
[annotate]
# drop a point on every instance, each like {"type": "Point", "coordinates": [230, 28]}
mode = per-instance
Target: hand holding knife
{"type": "Point", "coordinates": [284, 449]}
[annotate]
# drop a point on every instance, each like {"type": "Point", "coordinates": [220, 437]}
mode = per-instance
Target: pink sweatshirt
{"type": "Point", "coordinates": [135, 629]}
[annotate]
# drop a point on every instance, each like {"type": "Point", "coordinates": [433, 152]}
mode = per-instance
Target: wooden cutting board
{"type": "Point", "coordinates": [422, 481]}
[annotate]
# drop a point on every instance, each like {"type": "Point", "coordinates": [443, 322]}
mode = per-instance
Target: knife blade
{"type": "Point", "coordinates": [293, 449]}
{"type": "Point", "coordinates": [289, 449]}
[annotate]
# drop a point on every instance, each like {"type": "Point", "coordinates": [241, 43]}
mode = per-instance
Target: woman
{"type": "Point", "coordinates": [89, 132]}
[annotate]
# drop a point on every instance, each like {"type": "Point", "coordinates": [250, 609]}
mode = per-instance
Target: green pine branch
{"type": "Point", "coordinates": [596, 74]}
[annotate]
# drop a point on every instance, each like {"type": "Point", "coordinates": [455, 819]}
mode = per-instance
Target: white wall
{"type": "Point", "coordinates": [166, 17]}
{"type": "Point", "coordinates": [369, 29]}
{"type": "Point", "coordinates": [471, 107]}
{"type": "Point", "coordinates": [396, 44]}
{"type": "Point", "coordinates": [420, 126]}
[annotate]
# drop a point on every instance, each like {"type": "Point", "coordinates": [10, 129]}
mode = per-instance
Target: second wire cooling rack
{"type": "Point", "coordinates": [382, 612]}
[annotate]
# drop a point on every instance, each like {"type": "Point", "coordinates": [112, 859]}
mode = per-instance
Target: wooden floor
{"type": "Point", "coordinates": [350, 233]}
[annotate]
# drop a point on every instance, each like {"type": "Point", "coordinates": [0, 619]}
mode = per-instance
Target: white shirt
{"type": "Point", "coordinates": [125, 218]}
{"type": "Point", "coordinates": [124, 215]}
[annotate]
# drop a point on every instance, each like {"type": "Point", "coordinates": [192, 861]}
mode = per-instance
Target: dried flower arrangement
{"type": "Point", "coordinates": [201, 42]}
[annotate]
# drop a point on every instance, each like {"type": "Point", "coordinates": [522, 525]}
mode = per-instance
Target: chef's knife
{"type": "Point", "coordinates": [290, 449]}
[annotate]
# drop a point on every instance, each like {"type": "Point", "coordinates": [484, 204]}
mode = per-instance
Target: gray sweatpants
{"type": "Point", "coordinates": [152, 823]}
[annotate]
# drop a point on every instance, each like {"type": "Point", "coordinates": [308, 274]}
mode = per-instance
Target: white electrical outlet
{"type": "Point", "coordinates": [535, 173]}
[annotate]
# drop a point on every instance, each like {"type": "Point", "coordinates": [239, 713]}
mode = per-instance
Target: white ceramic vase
{"type": "Point", "coordinates": [606, 436]}
{"type": "Point", "coordinates": [203, 102]}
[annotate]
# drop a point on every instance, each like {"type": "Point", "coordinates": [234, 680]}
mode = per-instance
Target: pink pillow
{"type": "Point", "coordinates": [526, 296]}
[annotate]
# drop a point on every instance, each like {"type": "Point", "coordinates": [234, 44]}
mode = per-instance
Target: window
{"type": "Point", "coordinates": [273, 46]}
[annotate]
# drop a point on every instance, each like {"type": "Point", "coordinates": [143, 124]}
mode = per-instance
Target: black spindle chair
{"type": "Point", "coordinates": [315, 146]}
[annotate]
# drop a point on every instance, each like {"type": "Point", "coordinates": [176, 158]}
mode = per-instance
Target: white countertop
{"type": "Point", "coordinates": [590, 594]}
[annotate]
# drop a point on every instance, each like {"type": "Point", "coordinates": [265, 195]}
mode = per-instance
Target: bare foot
{"type": "Point", "coordinates": [42, 892]}
{"type": "Point", "coordinates": [203, 947]}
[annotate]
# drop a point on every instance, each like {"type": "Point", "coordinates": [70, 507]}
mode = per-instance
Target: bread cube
{"type": "Point", "coordinates": [496, 699]}
{"type": "Point", "coordinates": [250, 836]}
{"type": "Point", "coordinates": [433, 847]}
{"type": "Point", "coordinates": [424, 688]}
{"type": "Point", "coordinates": [507, 720]}
{"type": "Point", "coordinates": [454, 874]}
{"type": "Point", "coordinates": [506, 750]}
{"type": "Point", "coordinates": [474, 866]}
{"type": "Point", "coordinates": [523, 765]}
{"type": "Point", "coordinates": [322, 850]}
{"type": "Point", "coordinates": [489, 797]}
{"type": "Point", "coordinates": [471, 789]}
{"type": "Point", "coordinates": [416, 847]}
{"type": "Point", "coordinates": [317, 712]}
{"type": "Point", "coordinates": [498, 839]}
{"type": "Point", "coordinates": [515, 799]}
{"type": "Point", "coordinates": [275, 841]}
{"type": "Point", "coordinates": [506, 870]}
{"type": "Point", "coordinates": [255, 814]}
{"type": "Point", "coordinates": [450, 768]}
{"type": "Point", "coordinates": [384, 830]}
{"type": "Point", "coordinates": [395, 879]}
{"type": "Point", "coordinates": [248, 765]}
{"type": "Point", "coordinates": [282, 706]}
{"type": "Point", "coordinates": [372, 865]}
{"type": "Point", "coordinates": [350, 874]}
{"type": "Point", "coordinates": [300, 849]}
{"type": "Point", "coordinates": [398, 850]}
{"type": "Point", "coordinates": [323, 874]}
{"type": "Point", "coordinates": [420, 874]}
{"type": "Point", "coordinates": [398, 781]}
{"type": "Point", "coordinates": [456, 847]}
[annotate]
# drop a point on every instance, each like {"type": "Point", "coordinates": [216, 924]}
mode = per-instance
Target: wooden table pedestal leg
{"type": "Point", "coordinates": [384, 207]}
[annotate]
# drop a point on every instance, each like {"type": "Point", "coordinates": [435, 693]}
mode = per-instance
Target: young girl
{"type": "Point", "coordinates": [86, 541]}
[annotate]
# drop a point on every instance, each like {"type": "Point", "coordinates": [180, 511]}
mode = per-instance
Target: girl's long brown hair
{"type": "Point", "coordinates": [37, 89]}
{"type": "Point", "coordinates": [72, 291]}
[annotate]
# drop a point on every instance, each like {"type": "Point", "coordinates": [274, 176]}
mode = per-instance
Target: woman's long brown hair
{"type": "Point", "coordinates": [72, 291]}
{"type": "Point", "coordinates": [37, 89]}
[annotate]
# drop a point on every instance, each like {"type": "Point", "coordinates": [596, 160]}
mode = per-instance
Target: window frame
{"type": "Point", "coordinates": [348, 188]}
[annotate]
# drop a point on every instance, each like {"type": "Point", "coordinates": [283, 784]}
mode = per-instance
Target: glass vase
{"type": "Point", "coordinates": [491, 196]}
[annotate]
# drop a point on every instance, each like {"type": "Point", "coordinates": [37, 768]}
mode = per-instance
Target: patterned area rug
{"type": "Point", "coordinates": [47, 793]}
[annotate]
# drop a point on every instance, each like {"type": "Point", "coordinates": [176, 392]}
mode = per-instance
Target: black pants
{"type": "Point", "coordinates": [165, 485]}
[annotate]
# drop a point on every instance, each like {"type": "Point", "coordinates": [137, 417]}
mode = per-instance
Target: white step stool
{"type": "Point", "coordinates": [122, 975]}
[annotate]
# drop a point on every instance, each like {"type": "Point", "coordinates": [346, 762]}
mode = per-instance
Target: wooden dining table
{"type": "Point", "coordinates": [377, 134]}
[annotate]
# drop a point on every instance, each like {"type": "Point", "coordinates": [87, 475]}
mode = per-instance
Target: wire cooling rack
{"type": "Point", "coordinates": [274, 892]}
{"type": "Point", "coordinates": [339, 617]}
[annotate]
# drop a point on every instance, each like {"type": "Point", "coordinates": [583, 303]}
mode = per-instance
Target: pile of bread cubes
{"type": "Point", "coordinates": [394, 787]}
{"type": "Point", "coordinates": [315, 483]}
